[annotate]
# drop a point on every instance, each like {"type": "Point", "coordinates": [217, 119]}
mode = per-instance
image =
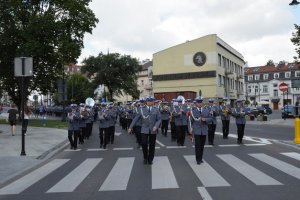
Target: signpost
{"type": "Point", "coordinates": [283, 87]}
{"type": "Point", "coordinates": [23, 68]}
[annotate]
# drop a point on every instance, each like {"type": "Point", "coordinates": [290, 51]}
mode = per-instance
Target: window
{"type": "Point", "coordinates": [276, 75]}
{"type": "Point", "coordinates": [256, 77]}
{"type": "Point", "coordinates": [275, 93]}
{"type": "Point", "coordinates": [142, 82]}
{"type": "Point", "coordinates": [297, 73]}
{"type": "Point", "coordinates": [249, 89]}
{"type": "Point", "coordinates": [219, 60]}
{"type": "Point", "coordinates": [266, 76]}
{"type": "Point", "coordinates": [220, 80]}
{"type": "Point", "coordinates": [250, 78]}
{"type": "Point", "coordinates": [275, 85]}
{"type": "Point", "coordinates": [265, 89]}
{"type": "Point", "coordinates": [287, 74]}
{"type": "Point", "coordinates": [256, 89]}
{"type": "Point", "coordinates": [296, 89]}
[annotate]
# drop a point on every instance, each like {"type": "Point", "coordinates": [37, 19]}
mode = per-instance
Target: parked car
{"type": "Point", "coordinates": [248, 110]}
{"type": "Point", "coordinates": [259, 110]}
{"type": "Point", "coordinates": [287, 111]}
{"type": "Point", "coordinates": [268, 110]}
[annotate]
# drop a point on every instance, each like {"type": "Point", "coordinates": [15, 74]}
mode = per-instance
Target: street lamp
{"type": "Point", "coordinates": [294, 3]}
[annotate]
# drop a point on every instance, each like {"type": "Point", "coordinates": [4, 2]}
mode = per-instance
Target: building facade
{"type": "Point", "coordinates": [206, 66]}
{"type": "Point", "coordinates": [262, 85]}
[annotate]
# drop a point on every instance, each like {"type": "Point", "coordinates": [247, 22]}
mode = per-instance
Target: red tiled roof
{"type": "Point", "coordinates": [268, 69]}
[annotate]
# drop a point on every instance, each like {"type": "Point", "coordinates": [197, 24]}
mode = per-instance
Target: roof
{"type": "Point", "coordinates": [269, 69]}
{"type": "Point", "coordinates": [146, 65]}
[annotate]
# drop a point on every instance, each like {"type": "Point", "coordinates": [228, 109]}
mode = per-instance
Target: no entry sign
{"type": "Point", "coordinates": [283, 87]}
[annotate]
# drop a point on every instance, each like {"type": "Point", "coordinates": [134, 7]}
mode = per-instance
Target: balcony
{"type": "Point", "coordinates": [240, 76]}
{"type": "Point", "coordinates": [228, 71]}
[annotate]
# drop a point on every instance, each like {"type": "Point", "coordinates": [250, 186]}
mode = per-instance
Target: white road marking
{"type": "Point", "coordinates": [292, 155]}
{"type": "Point", "coordinates": [175, 147]}
{"type": "Point", "coordinates": [250, 172]}
{"type": "Point", "coordinates": [278, 164]}
{"type": "Point", "coordinates": [122, 149]}
{"type": "Point", "coordinates": [75, 177]}
{"type": "Point", "coordinates": [119, 175]}
{"type": "Point", "coordinates": [26, 181]}
{"type": "Point", "coordinates": [162, 174]}
{"type": "Point", "coordinates": [204, 193]}
{"type": "Point", "coordinates": [161, 144]}
{"type": "Point", "coordinates": [96, 149]}
{"type": "Point", "coordinates": [206, 174]}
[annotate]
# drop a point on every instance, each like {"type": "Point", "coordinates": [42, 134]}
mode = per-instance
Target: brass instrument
{"type": "Point", "coordinates": [102, 114]}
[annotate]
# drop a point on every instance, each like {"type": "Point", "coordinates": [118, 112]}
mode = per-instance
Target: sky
{"type": "Point", "coordinates": [259, 29]}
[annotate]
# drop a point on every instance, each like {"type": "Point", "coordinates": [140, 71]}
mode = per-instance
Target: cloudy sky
{"type": "Point", "coordinates": [259, 29]}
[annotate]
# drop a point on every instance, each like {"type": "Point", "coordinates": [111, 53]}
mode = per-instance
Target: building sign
{"type": "Point", "coordinates": [199, 59]}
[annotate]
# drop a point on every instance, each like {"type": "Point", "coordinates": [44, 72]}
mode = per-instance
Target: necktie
{"type": "Point", "coordinates": [149, 109]}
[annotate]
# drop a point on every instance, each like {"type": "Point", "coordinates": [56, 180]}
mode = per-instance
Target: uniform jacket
{"type": "Point", "coordinates": [214, 112]}
{"type": "Point", "coordinates": [103, 118]}
{"type": "Point", "coordinates": [73, 120]}
{"type": "Point", "coordinates": [180, 119]}
{"type": "Point", "coordinates": [239, 114]}
{"type": "Point", "coordinates": [198, 126]}
{"type": "Point", "coordinates": [225, 112]}
{"type": "Point", "coordinates": [111, 117]}
{"type": "Point", "coordinates": [149, 119]}
{"type": "Point", "coordinates": [136, 111]}
{"type": "Point", "coordinates": [165, 114]}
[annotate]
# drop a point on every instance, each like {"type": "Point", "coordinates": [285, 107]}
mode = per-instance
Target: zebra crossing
{"type": "Point", "coordinates": [162, 172]}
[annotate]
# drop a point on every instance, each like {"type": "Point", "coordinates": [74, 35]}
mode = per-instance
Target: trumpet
{"type": "Point", "coordinates": [102, 114]}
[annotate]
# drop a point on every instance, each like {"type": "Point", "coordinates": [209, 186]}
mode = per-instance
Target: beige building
{"type": "Point", "coordinates": [207, 66]}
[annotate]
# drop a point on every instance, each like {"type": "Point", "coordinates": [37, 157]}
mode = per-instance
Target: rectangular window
{"type": "Point", "coordinates": [142, 82]}
{"type": "Point", "coordinates": [250, 77]}
{"type": "Point", "coordinates": [220, 80]}
{"type": "Point", "coordinates": [287, 74]}
{"type": "Point", "coordinates": [266, 76]}
{"type": "Point", "coordinates": [224, 62]}
{"type": "Point", "coordinates": [275, 93]}
{"type": "Point", "coordinates": [265, 89]}
{"type": "Point", "coordinates": [275, 85]}
{"type": "Point", "coordinates": [256, 77]}
{"type": "Point", "coordinates": [256, 89]}
{"type": "Point", "coordinates": [297, 73]}
{"type": "Point", "coordinates": [220, 60]}
{"type": "Point", "coordinates": [276, 75]}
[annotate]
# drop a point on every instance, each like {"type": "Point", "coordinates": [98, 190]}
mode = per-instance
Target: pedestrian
{"type": "Point", "coordinates": [240, 119]}
{"type": "Point", "coordinates": [151, 120]}
{"type": "Point", "coordinates": [214, 112]}
{"type": "Point", "coordinates": [198, 127]}
{"type": "Point", "coordinates": [73, 126]}
{"type": "Point", "coordinates": [225, 112]}
{"type": "Point", "coordinates": [27, 114]}
{"type": "Point", "coordinates": [12, 118]}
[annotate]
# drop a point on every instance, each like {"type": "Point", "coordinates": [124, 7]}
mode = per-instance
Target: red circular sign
{"type": "Point", "coordinates": [283, 87]}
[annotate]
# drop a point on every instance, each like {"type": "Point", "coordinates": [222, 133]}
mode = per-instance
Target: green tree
{"type": "Point", "coordinates": [50, 31]}
{"type": "Point", "coordinates": [270, 63]}
{"type": "Point", "coordinates": [117, 72]}
{"type": "Point", "coordinates": [79, 88]}
{"type": "Point", "coordinates": [296, 41]}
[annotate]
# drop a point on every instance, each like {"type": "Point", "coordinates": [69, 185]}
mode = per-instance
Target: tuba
{"type": "Point", "coordinates": [89, 101]}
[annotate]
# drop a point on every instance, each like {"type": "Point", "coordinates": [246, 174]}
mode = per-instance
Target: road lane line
{"type": "Point", "coordinates": [75, 177]}
{"type": "Point", "coordinates": [292, 155]}
{"type": "Point", "coordinates": [162, 174]}
{"type": "Point", "coordinates": [204, 193]}
{"type": "Point", "coordinates": [278, 164]}
{"type": "Point", "coordinates": [118, 177]}
{"type": "Point", "coordinates": [229, 145]}
{"type": "Point", "coordinates": [250, 172]}
{"type": "Point", "coordinates": [26, 181]}
{"type": "Point", "coordinates": [72, 150]}
{"type": "Point", "coordinates": [161, 144]}
{"type": "Point", "coordinates": [122, 149]}
{"type": "Point", "coordinates": [208, 176]}
{"type": "Point", "coordinates": [175, 147]}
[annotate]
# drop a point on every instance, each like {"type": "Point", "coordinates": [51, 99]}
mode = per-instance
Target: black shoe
{"type": "Point", "coordinates": [150, 162]}
{"type": "Point", "coordinates": [104, 147]}
{"type": "Point", "coordinates": [101, 145]}
{"type": "Point", "coordinates": [145, 162]}
{"type": "Point", "coordinates": [198, 162]}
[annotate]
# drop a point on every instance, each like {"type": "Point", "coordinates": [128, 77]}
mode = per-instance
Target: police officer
{"type": "Point", "coordinates": [111, 118]}
{"type": "Point", "coordinates": [181, 121]}
{"type": "Point", "coordinates": [240, 120]}
{"type": "Point", "coordinates": [214, 112]}
{"type": "Point", "coordinates": [165, 117]}
{"type": "Point", "coordinates": [225, 112]}
{"type": "Point", "coordinates": [138, 125]}
{"type": "Point", "coordinates": [198, 127]}
{"type": "Point", "coordinates": [151, 120]}
{"type": "Point", "coordinates": [103, 125]}
{"type": "Point", "coordinates": [172, 120]}
{"type": "Point", "coordinates": [73, 118]}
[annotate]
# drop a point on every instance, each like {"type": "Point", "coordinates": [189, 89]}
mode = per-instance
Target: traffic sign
{"type": "Point", "coordinates": [283, 87]}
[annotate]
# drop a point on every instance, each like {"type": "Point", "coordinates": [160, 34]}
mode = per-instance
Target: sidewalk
{"type": "Point", "coordinates": [40, 144]}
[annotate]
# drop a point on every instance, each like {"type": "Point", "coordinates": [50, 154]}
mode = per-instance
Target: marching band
{"type": "Point", "coordinates": [145, 117]}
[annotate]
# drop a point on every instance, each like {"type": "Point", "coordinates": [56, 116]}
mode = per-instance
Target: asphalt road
{"type": "Point", "coordinates": [254, 170]}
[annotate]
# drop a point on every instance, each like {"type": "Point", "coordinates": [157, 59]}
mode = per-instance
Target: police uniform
{"type": "Point", "coordinates": [112, 117]}
{"type": "Point", "coordinates": [225, 112]}
{"type": "Point", "coordinates": [138, 125]}
{"type": "Point", "coordinates": [103, 125]}
{"type": "Point", "coordinates": [172, 122]}
{"type": "Point", "coordinates": [214, 112]}
{"type": "Point", "coordinates": [181, 122]}
{"type": "Point", "coordinates": [73, 118]}
{"type": "Point", "coordinates": [151, 120]}
{"type": "Point", "coordinates": [198, 127]}
{"type": "Point", "coordinates": [165, 118]}
{"type": "Point", "coordinates": [240, 120]}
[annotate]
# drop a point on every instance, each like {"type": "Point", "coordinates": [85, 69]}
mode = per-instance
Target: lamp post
{"type": "Point", "coordinates": [23, 68]}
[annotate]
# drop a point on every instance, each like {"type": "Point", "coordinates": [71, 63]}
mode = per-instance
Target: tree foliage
{"type": "Point", "coordinates": [117, 72]}
{"type": "Point", "coordinates": [79, 88]}
{"type": "Point", "coordinates": [270, 63]}
{"type": "Point", "coordinates": [50, 31]}
{"type": "Point", "coordinates": [296, 40]}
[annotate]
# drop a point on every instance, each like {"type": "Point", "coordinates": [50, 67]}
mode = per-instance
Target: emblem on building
{"type": "Point", "coordinates": [199, 59]}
